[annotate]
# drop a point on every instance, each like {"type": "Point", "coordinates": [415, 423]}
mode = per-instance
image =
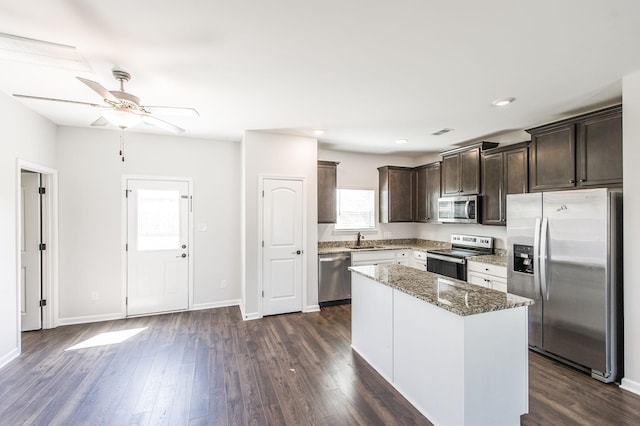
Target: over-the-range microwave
{"type": "Point", "coordinates": [464, 209]}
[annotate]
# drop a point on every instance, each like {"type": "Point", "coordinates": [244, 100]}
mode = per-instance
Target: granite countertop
{"type": "Point", "coordinates": [499, 259]}
{"type": "Point", "coordinates": [447, 293]}
{"type": "Point", "coordinates": [333, 247]}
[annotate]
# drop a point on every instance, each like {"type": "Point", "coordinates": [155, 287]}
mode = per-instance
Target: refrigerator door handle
{"type": "Point", "coordinates": [543, 258]}
{"type": "Point", "coordinates": [536, 257]}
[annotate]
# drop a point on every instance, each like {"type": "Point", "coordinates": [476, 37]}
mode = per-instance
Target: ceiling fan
{"type": "Point", "coordinates": [123, 109]}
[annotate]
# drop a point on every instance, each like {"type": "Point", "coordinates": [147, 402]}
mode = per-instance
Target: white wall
{"type": "Point", "coordinates": [277, 155]}
{"type": "Point", "coordinates": [360, 171]}
{"type": "Point", "coordinates": [91, 199]}
{"type": "Point", "coordinates": [631, 175]}
{"type": "Point", "coordinates": [29, 137]}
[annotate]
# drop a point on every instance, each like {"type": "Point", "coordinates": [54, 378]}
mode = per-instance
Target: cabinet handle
{"type": "Point", "coordinates": [583, 180]}
{"type": "Point", "coordinates": [572, 181]}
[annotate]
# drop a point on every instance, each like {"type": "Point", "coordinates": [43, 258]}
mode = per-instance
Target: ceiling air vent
{"type": "Point", "coordinates": [442, 131]}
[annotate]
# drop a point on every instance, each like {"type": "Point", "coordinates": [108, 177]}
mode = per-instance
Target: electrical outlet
{"type": "Point", "coordinates": [95, 295]}
{"type": "Point", "coordinates": [223, 284]}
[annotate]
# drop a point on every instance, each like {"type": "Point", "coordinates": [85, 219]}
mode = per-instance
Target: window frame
{"type": "Point", "coordinates": [373, 229]}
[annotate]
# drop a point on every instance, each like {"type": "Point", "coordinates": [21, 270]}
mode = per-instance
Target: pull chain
{"type": "Point", "coordinates": [122, 144]}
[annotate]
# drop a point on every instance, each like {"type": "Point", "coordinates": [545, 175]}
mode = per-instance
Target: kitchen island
{"type": "Point", "coordinates": [456, 351]}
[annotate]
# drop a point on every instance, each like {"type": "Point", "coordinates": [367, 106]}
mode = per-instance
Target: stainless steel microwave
{"type": "Point", "coordinates": [459, 209]}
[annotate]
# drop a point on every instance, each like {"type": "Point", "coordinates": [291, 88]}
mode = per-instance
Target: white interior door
{"type": "Point", "coordinates": [282, 253]}
{"type": "Point", "coordinates": [157, 246]}
{"type": "Point", "coordinates": [30, 254]}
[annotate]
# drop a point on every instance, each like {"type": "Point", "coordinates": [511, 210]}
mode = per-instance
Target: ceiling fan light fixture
{"type": "Point", "coordinates": [121, 117]}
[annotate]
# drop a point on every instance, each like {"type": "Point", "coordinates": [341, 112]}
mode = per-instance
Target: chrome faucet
{"type": "Point", "coordinates": [359, 239]}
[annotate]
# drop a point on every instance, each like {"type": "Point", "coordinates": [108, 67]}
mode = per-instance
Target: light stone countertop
{"type": "Point", "coordinates": [447, 293]}
{"type": "Point", "coordinates": [334, 247]}
{"type": "Point", "coordinates": [493, 259]}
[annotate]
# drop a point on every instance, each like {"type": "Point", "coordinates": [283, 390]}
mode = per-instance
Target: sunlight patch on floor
{"type": "Point", "coordinates": [108, 338]}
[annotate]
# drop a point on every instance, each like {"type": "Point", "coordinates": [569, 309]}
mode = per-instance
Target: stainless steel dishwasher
{"type": "Point", "coordinates": [334, 279]}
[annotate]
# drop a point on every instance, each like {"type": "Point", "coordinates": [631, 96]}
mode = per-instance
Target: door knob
{"type": "Point", "coordinates": [182, 255]}
{"type": "Point", "coordinates": [297, 252]}
{"type": "Point", "coordinates": [184, 246]}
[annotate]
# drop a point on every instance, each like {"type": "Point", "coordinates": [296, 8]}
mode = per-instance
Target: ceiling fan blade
{"type": "Point", "coordinates": [154, 121]}
{"type": "Point", "coordinates": [99, 89]}
{"type": "Point", "coordinates": [40, 98]}
{"type": "Point", "coordinates": [101, 121]}
{"type": "Point", "coordinates": [172, 111]}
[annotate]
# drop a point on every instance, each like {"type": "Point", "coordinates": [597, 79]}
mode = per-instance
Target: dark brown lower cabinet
{"type": "Point", "coordinates": [504, 171]}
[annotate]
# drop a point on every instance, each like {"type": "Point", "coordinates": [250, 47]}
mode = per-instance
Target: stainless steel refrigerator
{"type": "Point", "coordinates": [565, 251]}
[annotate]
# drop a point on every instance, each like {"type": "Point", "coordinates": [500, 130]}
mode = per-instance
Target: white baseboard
{"type": "Point", "coordinates": [10, 356]}
{"type": "Point", "coordinates": [251, 316]}
{"type": "Point", "coordinates": [631, 386]}
{"type": "Point", "coordinates": [90, 318]}
{"type": "Point", "coordinates": [213, 305]}
{"type": "Point", "coordinates": [312, 308]}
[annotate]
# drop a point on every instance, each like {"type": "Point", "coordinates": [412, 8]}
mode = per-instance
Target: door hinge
{"type": "Point", "coordinates": [126, 192]}
{"type": "Point", "coordinates": [126, 301]}
{"type": "Point", "coordinates": [262, 194]}
{"type": "Point", "coordinates": [42, 246]}
{"type": "Point", "coordinates": [42, 190]}
{"type": "Point", "coordinates": [126, 247]}
{"type": "Point", "coordinates": [43, 302]}
{"type": "Point", "coordinates": [263, 244]}
{"type": "Point", "coordinates": [262, 293]}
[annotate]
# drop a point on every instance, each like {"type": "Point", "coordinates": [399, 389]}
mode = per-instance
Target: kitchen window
{"type": "Point", "coordinates": [356, 209]}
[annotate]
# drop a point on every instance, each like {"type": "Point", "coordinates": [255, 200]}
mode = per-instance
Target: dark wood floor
{"type": "Point", "coordinates": [210, 367]}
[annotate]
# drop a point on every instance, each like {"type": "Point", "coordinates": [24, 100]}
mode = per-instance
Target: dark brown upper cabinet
{"type": "Point", "coordinates": [504, 171]}
{"type": "Point", "coordinates": [427, 185]}
{"type": "Point", "coordinates": [581, 152]}
{"type": "Point", "coordinates": [599, 160]}
{"type": "Point", "coordinates": [461, 169]}
{"type": "Point", "coordinates": [327, 191]}
{"type": "Point", "coordinates": [396, 194]}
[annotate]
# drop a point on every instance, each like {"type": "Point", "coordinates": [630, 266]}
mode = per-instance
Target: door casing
{"type": "Point", "coordinates": [50, 238]}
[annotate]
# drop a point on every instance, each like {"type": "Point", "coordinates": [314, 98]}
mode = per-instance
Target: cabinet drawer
{"type": "Point", "coordinates": [487, 268]}
{"type": "Point", "coordinates": [371, 255]}
{"type": "Point", "coordinates": [487, 281]}
{"type": "Point", "coordinates": [420, 255]}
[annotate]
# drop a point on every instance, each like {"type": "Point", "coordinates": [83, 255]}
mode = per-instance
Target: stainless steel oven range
{"type": "Point", "coordinates": [452, 262]}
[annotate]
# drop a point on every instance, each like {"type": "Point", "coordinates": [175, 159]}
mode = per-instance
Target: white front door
{"type": "Point", "coordinates": [282, 253]}
{"type": "Point", "coordinates": [157, 246]}
{"type": "Point", "coordinates": [30, 254]}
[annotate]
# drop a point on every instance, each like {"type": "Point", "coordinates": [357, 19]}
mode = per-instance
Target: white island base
{"type": "Point", "coordinates": [455, 369]}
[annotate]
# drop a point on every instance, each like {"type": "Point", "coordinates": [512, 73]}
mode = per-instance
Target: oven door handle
{"type": "Point", "coordinates": [446, 258]}
{"type": "Point", "coordinates": [467, 209]}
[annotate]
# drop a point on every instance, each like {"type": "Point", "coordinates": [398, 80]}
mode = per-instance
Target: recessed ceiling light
{"type": "Point", "coordinates": [318, 132]}
{"type": "Point", "coordinates": [400, 141]}
{"type": "Point", "coordinates": [503, 101]}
